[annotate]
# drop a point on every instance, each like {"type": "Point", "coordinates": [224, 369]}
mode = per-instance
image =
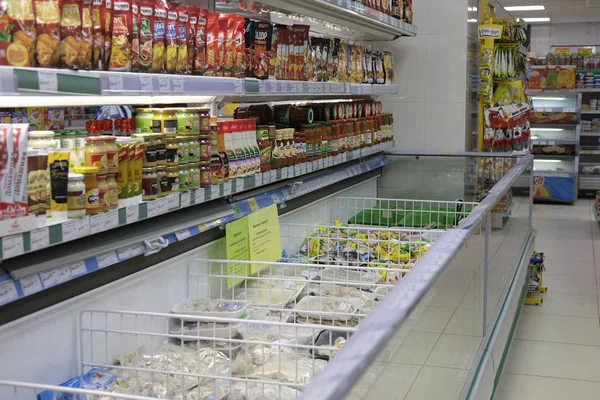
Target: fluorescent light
{"type": "Point", "coordinates": [524, 8]}
{"type": "Point", "coordinates": [471, 8]}
{"type": "Point", "coordinates": [550, 98]}
{"type": "Point", "coordinates": [552, 161]}
{"type": "Point", "coordinates": [472, 20]}
{"type": "Point", "coordinates": [547, 129]}
{"type": "Point", "coordinates": [540, 19]}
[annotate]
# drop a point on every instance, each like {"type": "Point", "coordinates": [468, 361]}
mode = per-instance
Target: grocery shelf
{"type": "Point", "coordinates": [553, 142]}
{"type": "Point", "coordinates": [556, 109]}
{"type": "Point", "coordinates": [22, 87]}
{"type": "Point", "coordinates": [590, 134]}
{"type": "Point", "coordinates": [557, 91]}
{"type": "Point", "coordinates": [589, 152]}
{"type": "Point", "coordinates": [590, 112]}
{"type": "Point", "coordinates": [556, 174]}
{"type": "Point", "coordinates": [542, 157]}
{"type": "Point", "coordinates": [595, 211]}
{"type": "Point", "coordinates": [589, 182]}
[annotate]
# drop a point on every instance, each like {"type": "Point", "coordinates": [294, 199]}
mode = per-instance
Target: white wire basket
{"type": "Point", "coordinates": [14, 390]}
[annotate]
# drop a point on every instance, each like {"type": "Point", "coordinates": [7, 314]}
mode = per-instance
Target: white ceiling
{"type": "Point", "coordinates": [560, 11]}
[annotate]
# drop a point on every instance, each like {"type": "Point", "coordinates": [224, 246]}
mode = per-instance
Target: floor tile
{"type": "Point", "coordinates": [526, 387]}
{"type": "Point", "coordinates": [577, 305]}
{"type": "Point", "coordinates": [416, 348]}
{"type": "Point", "coordinates": [395, 382]}
{"type": "Point", "coordinates": [566, 254]}
{"type": "Point", "coordinates": [454, 351]}
{"type": "Point", "coordinates": [433, 319]}
{"type": "Point", "coordinates": [556, 267]}
{"type": "Point", "coordinates": [567, 284]}
{"type": "Point", "coordinates": [437, 383]}
{"type": "Point", "coordinates": [556, 360]}
{"type": "Point", "coordinates": [559, 328]}
{"type": "Point", "coordinates": [466, 321]}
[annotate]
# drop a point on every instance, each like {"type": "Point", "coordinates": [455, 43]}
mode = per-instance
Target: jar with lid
{"type": "Point", "coordinates": [193, 148]}
{"type": "Point", "coordinates": [95, 154]}
{"type": "Point", "coordinates": [112, 154]}
{"type": "Point", "coordinates": [204, 120]}
{"type": "Point", "coordinates": [164, 121]}
{"type": "Point", "coordinates": [163, 182]}
{"type": "Point", "coordinates": [280, 148]}
{"type": "Point", "coordinates": [92, 195]}
{"type": "Point", "coordinates": [149, 183]}
{"type": "Point", "coordinates": [172, 151]}
{"type": "Point", "coordinates": [291, 146]}
{"type": "Point", "coordinates": [112, 195]}
{"type": "Point", "coordinates": [41, 140]}
{"type": "Point", "coordinates": [143, 120]}
{"type": "Point", "coordinates": [149, 149]}
{"type": "Point", "coordinates": [194, 172]}
{"type": "Point", "coordinates": [173, 179]}
{"type": "Point", "coordinates": [75, 196]}
{"type": "Point", "coordinates": [161, 149]}
{"type": "Point", "coordinates": [334, 139]}
{"type": "Point", "coordinates": [205, 175]}
{"type": "Point", "coordinates": [205, 150]}
{"type": "Point", "coordinates": [183, 149]}
{"type": "Point", "coordinates": [184, 177]}
{"type": "Point", "coordinates": [102, 192]}
{"type": "Point", "coordinates": [188, 121]}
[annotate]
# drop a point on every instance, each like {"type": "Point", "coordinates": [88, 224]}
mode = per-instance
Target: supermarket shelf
{"type": "Point", "coordinates": [589, 134]}
{"type": "Point", "coordinates": [541, 157]}
{"type": "Point", "coordinates": [22, 87]}
{"type": "Point", "coordinates": [556, 109]}
{"type": "Point", "coordinates": [589, 182]}
{"type": "Point", "coordinates": [549, 91]}
{"type": "Point", "coordinates": [562, 126]}
{"type": "Point", "coordinates": [34, 278]}
{"type": "Point", "coordinates": [590, 112]}
{"type": "Point", "coordinates": [589, 90]}
{"type": "Point", "coordinates": [555, 174]}
{"type": "Point", "coordinates": [595, 211]}
{"type": "Point", "coordinates": [553, 142]}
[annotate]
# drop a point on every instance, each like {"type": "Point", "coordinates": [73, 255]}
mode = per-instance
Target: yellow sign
{"type": "Point", "coordinates": [562, 50]}
{"type": "Point", "coordinates": [236, 242]}
{"type": "Point", "coordinates": [585, 52]}
{"type": "Point", "coordinates": [490, 31]}
{"type": "Point", "coordinates": [264, 237]}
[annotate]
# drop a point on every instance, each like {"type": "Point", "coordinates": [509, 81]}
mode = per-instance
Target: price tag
{"type": "Point", "coordinates": [132, 213]}
{"type": "Point", "coordinates": [345, 307]}
{"type": "Point", "coordinates": [326, 88]}
{"type": "Point", "coordinates": [238, 86]}
{"type": "Point", "coordinates": [258, 180]}
{"type": "Point", "coordinates": [177, 84]}
{"type": "Point", "coordinates": [312, 87]}
{"type": "Point", "coordinates": [355, 154]}
{"type": "Point", "coordinates": [183, 234]}
{"type": "Point", "coordinates": [8, 292]}
{"type": "Point", "coordinates": [227, 188]}
{"type": "Point", "coordinates": [75, 229]}
{"type": "Point", "coordinates": [302, 168]}
{"type": "Point", "coordinates": [338, 159]}
{"type": "Point", "coordinates": [107, 259]}
{"type": "Point", "coordinates": [111, 220]}
{"type": "Point", "coordinates": [284, 173]}
{"type": "Point", "coordinates": [77, 269]}
{"type": "Point", "coordinates": [289, 285]}
{"type": "Point", "coordinates": [186, 199]}
{"type": "Point", "coordinates": [283, 88]}
{"type": "Point", "coordinates": [152, 208]}
{"type": "Point", "coordinates": [309, 167]}
{"type": "Point", "coordinates": [146, 84]}
{"type": "Point", "coordinates": [173, 201]}
{"type": "Point", "coordinates": [131, 251]}
{"type": "Point", "coordinates": [291, 172]}
{"type": "Point", "coordinates": [200, 196]}
{"type": "Point", "coordinates": [321, 163]}
{"type": "Point", "coordinates": [551, 143]}
{"type": "Point", "coordinates": [273, 175]}
{"type": "Point", "coordinates": [163, 205]}
{"type": "Point", "coordinates": [345, 156]}
{"type": "Point", "coordinates": [12, 246]}
{"type": "Point", "coordinates": [272, 86]}
{"type": "Point", "coordinates": [262, 86]}
{"type": "Point", "coordinates": [164, 84]}
{"type": "Point", "coordinates": [31, 284]}
{"type": "Point", "coordinates": [47, 81]}
{"type": "Point", "coordinates": [115, 82]}
{"type": "Point", "coordinates": [297, 170]}
{"type": "Point", "coordinates": [63, 274]}
{"type": "Point", "coordinates": [315, 165]}
{"type": "Point", "coordinates": [97, 223]}
{"type": "Point", "coordinates": [215, 191]}
{"type": "Point", "coordinates": [48, 278]}
{"type": "Point", "coordinates": [40, 238]}
{"type": "Point", "coordinates": [266, 178]}
{"type": "Point", "coordinates": [239, 185]}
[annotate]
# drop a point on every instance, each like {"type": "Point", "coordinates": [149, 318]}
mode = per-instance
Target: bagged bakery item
{"type": "Point", "coordinates": [47, 23]}
{"type": "Point", "coordinates": [122, 24]}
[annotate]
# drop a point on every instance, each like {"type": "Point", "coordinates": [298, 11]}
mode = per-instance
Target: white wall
{"type": "Point", "coordinates": [429, 112]}
{"type": "Point", "coordinates": [545, 36]}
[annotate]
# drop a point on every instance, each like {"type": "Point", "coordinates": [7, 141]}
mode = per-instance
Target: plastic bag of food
{"type": "Point", "coordinates": [108, 20]}
{"type": "Point", "coordinates": [94, 379]}
{"type": "Point", "coordinates": [212, 44]}
{"type": "Point", "coordinates": [191, 38]}
{"type": "Point", "coordinates": [144, 23]}
{"type": "Point", "coordinates": [47, 23]}
{"type": "Point", "coordinates": [288, 368]}
{"type": "Point", "coordinates": [70, 34]}
{"type": "Point", "coordinates": [249, 27]}
{"type": "Point", "coordinates": [239, 50]}
{"type": "Point", "coordinates": [158, 38]}
{"type": "Point", "coordinates": [182, 39]}
{"type": "Point", "coordinates": [84, 57]}
{"type": "Point", "coordinates": [261, 44]}
{"type": "Point", "coordinates": [200, 43]}
{"type": "Point", "coordinates": [135, 35]}
{"type": "Point", "coordinates": [257, 391]}
{"type": "Point", "coordinates": [17, 33]}
{"type": "Point", "coordinates": [171, 39]}
{"type": "Point", "coordinates": [120, 54]}
{"type": "Point", "coordinates": [98, 21]}
{"type": "Point", "coordinates": [229, 46]}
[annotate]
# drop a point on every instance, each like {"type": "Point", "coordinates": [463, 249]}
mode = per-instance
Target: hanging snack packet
{"type": "Point", "coordinates": [221, 34]}
{"type": "Point", "coordinates": [47, 24]}
{"type": "Point", "coordinates": [17, 33]}
{"type": "Point", "coordinates": [343, 61]}
{"type": "Point", "coordinates": [120, 55]}
{"type": "Point", "coordinates": [212, 45]}
{"type": "Point", "coordinates": [239, 68]}
{"type": "Point", "coordinates": [70, 34]}
{"type": "Point", "coordinates": [274, 45]}
{"type": "Point", "coordinates": [191, 38]}
{"type": "Point", "coordinates": [108, 12]}
{"type": "Point", "coordinates": [301, 50]}
{"type": "Point", "coordinates": [6, 31]}
{"type": "Point", "coordinates": [229, 60]}
{"type": "Point", "coordinates": [85, 44]}
{"type": "Point", "coordinates": [6, 170]}
{"type": "Point", "coordinates": [182, 39]}
{"type": "Point", "coordinates": [135, 35]}
{"type": "Point", "coordinates": [98, 21]}
{"type": "Point", "coordinates": [145, 23]}
{"type": "Point", "coordinates": [262, 48]}
{"type": "Point", "coordinates": [333, 61]}
{"type": "Point", "coordinates": [158, 38]}
{"type": "Point", "coordinates": [249, 27]}
{"type": "Point", "coordinates": [310, 60]}
{"type": "Point", "coordinates": [200, 43]}
{"type": "Point", "coordinates": [360, 73]}
{"type": "Point", "coordinates": [171, 39]}
{"type": "Point", "coordinates": [379, 69]}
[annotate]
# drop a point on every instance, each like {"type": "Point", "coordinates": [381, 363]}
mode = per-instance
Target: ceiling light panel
{"type": "Point", "coordinates": [540, 19]}
{"type": "Point", "coordinates": [524, 8]}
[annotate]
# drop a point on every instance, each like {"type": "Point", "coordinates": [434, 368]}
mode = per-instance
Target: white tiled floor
{"type": "Point", "coordinates": [555, 353]}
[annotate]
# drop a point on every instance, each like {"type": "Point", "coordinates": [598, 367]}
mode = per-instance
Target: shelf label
{"type": "Point", "coordinates": [303, 168]}
{"type": "Point", "coordinates": [12, 246]}
{"type": "Point", "coordinates": [111, 219]}
{"type": "Point", "coordinates": [146, 84]}
{"type": "Point", "coordinates": [183, 234]}
{"type": "Point", "coordinates": [200, 196]}
{"type": "Point", "coordinates": [8, 292]}
{"type": "Point", "coordinates": [107, 259]}
{"type": "Point", "coordinates": [272, 86]}
{"type": "Point", "coordinates": [77, 269]}
{"type": "Point", "coordinates": [31, 284]}
{"type": "Point", "coordinates": [321, 163]}
{"type": "Point", "coordinates": [47, 81]}
{"type": "Point", "coordinates": [115, 82]}
{"type": "Point", "coordinates": [239, 185]}
{"type": "Point", "coordinates": [63, 274]}
{"type": "Point", "coordinates": [163, 205]}
{"type": "Point", "coordinates": [262, 86]}
{"type": "Point", "coordinates": [355, 154]}
{"type": "Point", "coordinates": [75, 229]}
{"type": "Point", "coordinates": [164, 84]}
{"type": "Point", "coordinates": [186, 199]}
{"type": "Point", "coordinates": [238, 86]}
{"type": "Point", "coordinates": [132, 213]}
{"type": "Point", "coordinates": [273, 175]}
{"type": "Point", "coordinates": [152, 208]}
{"type": "Point", "coordinates": [130, 251]}
{"type": "Point", "coordinates": [177, 84]}
{"type": "Point", "coordinates": [40, 238]}
{"type": "Point", "coordinates": [258, 179]}
{"type": "Point", "coordinates": [214, 191]}
{"type": "Point", "coordinates": [284, 173]}
{"type": "Point", "coordinates": [297, 169]}
{"type": "Point", "coordinates": [173, 201]}
{"type": "Point", "coordinates": [97, 223]}
{"type": "Point", "coordinates": [227, 188]}
{"type": "Point", "coordinates": [266, 179]}
{"type": "Point", "coordinates": [309, 167]}
{"type": "Point", "coordinates": [315, 165]}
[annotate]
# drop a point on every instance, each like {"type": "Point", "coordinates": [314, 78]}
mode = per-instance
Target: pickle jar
{"type": "Point", "coordinates": [143, 120]}
{"type": "Point", "coordinates": [173, 179]}
{"type": "Point", "coordinates": [194, 172]}
{"type": "Point", "coordinates": [161, 149]}
{"type": "Point", "coordinates": [164, 121]}
{"type": "Point", "coordinates": [183, 150]}
{"type": "Point", "coordinates": [187, 121]}
{"type": "Point", "coordinates": [163, 182]}
{"type": "Point", "coordinates": [184, 178]}
{"type": "Point", "coordinates": [172, 151]}
{"type": "Point", "coordinates": [193, 149]}
{"type": "Point", "coordinates": [149, 183]}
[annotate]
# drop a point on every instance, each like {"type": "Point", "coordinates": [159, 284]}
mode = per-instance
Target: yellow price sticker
{"type": "Point", "coordinates": [563, 51]}
{"type": "Point", "coordinates": [585, 52]}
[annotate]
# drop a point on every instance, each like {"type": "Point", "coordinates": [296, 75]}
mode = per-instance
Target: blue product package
{"type": "Point", "coordinates": [94, 379]}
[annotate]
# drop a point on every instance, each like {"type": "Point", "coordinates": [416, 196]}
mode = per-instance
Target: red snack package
{"type": "Point", "coordinates": [221, 34]}
{"type": "Point", "coordinates": [228, 61]}
{"type": "Point", "coordinates": [212, 45]}
{"type": "Point", "coordinates": [191, 37]}
{"type": "Point", "coordinates": [135, 35]}
{"type": "Point", "coordinates": [239, 68]}
{"type": "Point", "coordinates": [273, 57]}
{"type": "Point", "coordinates": [262, 49]}
{"type": "Point", "coordinates": [17, 48]}
{"type": "Point", "coordinates": [158, 41]}
{"type": "Point", "coordinates": [122, 27]}
{"type": "Point", "coordinates": [171, 39]}
{"type": "Point", "coordinates": [145, 23]}
{"type": "Point", "coordinates": [70, 34]}
{"type": "Point", "coordinates": [200, 43]}
{"type": "Point", "coordinates": [6, 170]}
{"type": "Point", "coordinates": [108, 20]}
{"type": "Point", "coordinates": [98, 22]}
{"type": "Point", "coordinates": [182, 39]}
{"type": "Point", "coordinates": [85, 44]}
{"type": "Point", "coordinates": [301, 49]}
{"type": "Point", "coordinates": [47, 24]}
{"type": "Point", "coordinates": [291, 58]}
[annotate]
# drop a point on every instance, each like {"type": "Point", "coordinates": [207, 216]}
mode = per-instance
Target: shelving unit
{"type": "Point", "coordinates": [589, 174]}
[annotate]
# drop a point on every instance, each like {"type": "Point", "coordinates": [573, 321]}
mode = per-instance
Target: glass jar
{"type": "Point", "coordinates": [112, 154]}
{"type": "Point", "coordinates": [193, 149]}
{"type": "Point", "coordinates": [204, 120]}
{"type": "Point", "coordinates": [194, 171]}
{"type": "Point", "coordinates": [161, 149]}
{"type": "Point", "coordinates": [188, 121]}
{"type": "Point", "coordinates": [112, 196]}
{"type": "Point", "coordinates": [205, 149]}
{"type": "Point", "coordinates": [205, 175]}
{"type": "Point", "coordinates": [183, 149]}
{"type": "Point", "coordinates": [172, 151]}
{"type": "Point", "coordinates": [75, 196]}
{"type": "Point", "coordinates": [92, 195]}
{"type": "Point", "coordinates": [184, 178]}
{"type": "Point", "coordinates": [149, 149]}
{"type": "Point", "coordinates": [67, 141]}
{"type": "Point", "coordinates": [149, 184]}
{"type": "Point", "coordinates": [95, 154]}
{"type": "Point", "coordinates": [164, 121]}
{"type": "Point", "coordinates": [173, 179]}
{"type": "Point", "coordinates": [102, 192]}
{"type": "Point", "coordinates": [163, 183]}
{"type": "Point", "coordinates": [143, 120]}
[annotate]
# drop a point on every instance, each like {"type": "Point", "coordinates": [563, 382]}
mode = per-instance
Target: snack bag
{"type": "Point", "coordinates": [6, 170]}
{"type": "Point", "coordinates": [17, 33]}
{"type": "Point", "coordinates": [239, 69]}
{"type": "Point", "coordinates": [273, 56]}
{"type": "Point", "coordinates": [200, 43]}
{"type": "Point", "coordinates": [98, 22]}
{"type": "Point", "coordinates": [84, 58]}
{"type": "Point", "coordinates": [249, 27]}
{"type": "Point", "coordinates": [229, 46]}
{"type": "Point", "coordinates": [135, 35]}
{"type": "Point", "coordinates": [343, 61]}
{"type": "Point", "coordinates": [70, 34]}
{"type": "Point", "coordinates": [212, 45]}
{"type": "Point", "coordinates": [158, 38]}
{"type": "Point", "coordinates": [171, 39]}
{"type": "Point", "coordinates": [47, 23]}
{"type": "Point", "coordinates": [120, 55]}
{"type": "Point", "coordinates": [182, 39]}
{"type": "Point", "coordinates": [351, 70]}
{"type": "Point", "coordinates": [145, 23]}
{"type": "Point", "coordinates": [262, 48]}
{"type": "Point", "coordinates": [108, 11]}
{"type": "Point", "coordinates": [221, 34]}
{"type": "Point", "coordinates": [191, 38]}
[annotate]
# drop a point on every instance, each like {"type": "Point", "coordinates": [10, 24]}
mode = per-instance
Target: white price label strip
{"type": "Point", "coordinates": [12, 246]}
{"type": "Point", "coordinates": [130, 251]}
{"type": "Point", "coordinates": [164, 84]}
{"type": "Point", "coordinates": [186, 199]}
{"type": "Point", "coordinates": [77, 269]}
{"type": "Point", "coordinates": [273, 175]}
{"type": "Point", "coordinates": [258, 180]}
{"type": "Point", "coordinates": [146, 84]}
{"type": "Point", "coordinates": [132, 213]}
{"type": "Point", "coordinates": [107, 259]}
{"type": "Point", "coordinates": [97, 223]}
{"type": "Point", "coordinates": [239, 185]}
{"type": "Point", "coordinates": [163, 205]}
{"type": "Point", "coordinates": [267, 178]}
{"type": "Point", "coordinates": [173, 201]}
{"type": "Point", "coordinates": [115, 82]}
{"type": "Point", "coordinates": [284, 173]}
{"type": "Point", "coordinates": [40, 239]}
{"type": "Point", "coordinates": [227, 188]}
{"type": "Point", "coordinates": [177, 84]}
{"type": "Point", "coordinates": [63, 274]}
{"type": "Point", "coordinates": [112, 220]}
{"type": "Point", "coordinates": [152, 208]}
{"type": "Point", "coordinates": [183, 234]}
{"type": "Point", "coordinates": [75, 229]}
{"type": "Point", "coordinates": [200, 196]}
{"type": "Point", "coordinates": [48, 81]}
{"type": "Point", "coordinates": [31, 284]}
{"type": "Point", "coordinates": [8, 292]}
{"type": "Point", "coordinates": [309, 167]}
{"type": "Point", "coordinates": [215, 191]}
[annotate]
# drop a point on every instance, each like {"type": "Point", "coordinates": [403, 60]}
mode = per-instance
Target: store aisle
{"type": "Point", "coordinates": [555, 353]}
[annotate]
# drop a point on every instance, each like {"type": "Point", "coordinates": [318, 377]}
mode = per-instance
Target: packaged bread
{"type": "Point", "coordinates": [47, 24]}
{"type": "Point", "coordinates": [70, 34]}
{"type": "Point", "coordinates": [17, 34]}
